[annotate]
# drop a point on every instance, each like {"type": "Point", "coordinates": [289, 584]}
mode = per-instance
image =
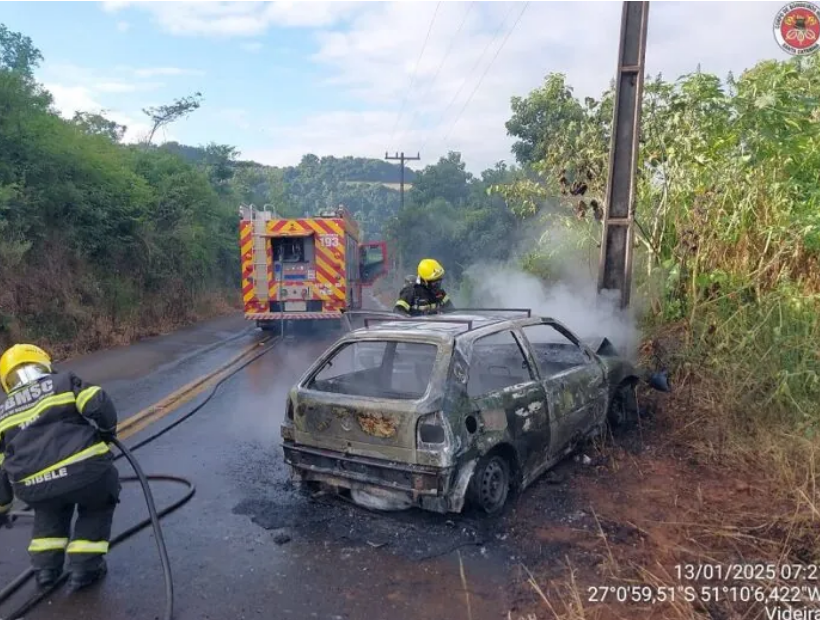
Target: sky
{"type": "Point", "coordinates": [283, 79]}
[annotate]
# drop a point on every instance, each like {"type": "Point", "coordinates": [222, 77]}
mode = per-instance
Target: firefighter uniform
{"type": "Point", "coordinates": [56, 460]}
{"type": "Point", "coordinates": [425, 295]}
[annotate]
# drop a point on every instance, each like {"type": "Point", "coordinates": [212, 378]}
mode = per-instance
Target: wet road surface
{"type": "Point", "coordinates": [248, 545]}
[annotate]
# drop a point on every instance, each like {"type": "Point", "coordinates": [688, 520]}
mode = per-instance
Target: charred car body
{"type": "Point", "coordinates": [433, 412]}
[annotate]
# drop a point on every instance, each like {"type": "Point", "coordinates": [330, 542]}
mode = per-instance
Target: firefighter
{"type": "Point", "coordinates": [425, 295]}
{"type": "Point", "coordinates": [54, 434]}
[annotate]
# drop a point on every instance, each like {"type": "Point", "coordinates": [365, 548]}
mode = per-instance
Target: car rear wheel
{"type": "Point", "coordinates": [491, 484]}
{"type": "Point", "coordinates": [623, 410]}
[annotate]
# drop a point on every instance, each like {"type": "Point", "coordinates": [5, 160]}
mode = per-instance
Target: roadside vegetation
{"type": "Point", "coordinates": [728, 239]}
{"type": "Point", "coordinates": [103, 242]}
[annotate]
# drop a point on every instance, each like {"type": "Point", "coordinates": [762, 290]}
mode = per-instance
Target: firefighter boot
{"type": "Point", "coordinates": [47, 577]}
{"type": "Point", "coordinates": [84, 577]}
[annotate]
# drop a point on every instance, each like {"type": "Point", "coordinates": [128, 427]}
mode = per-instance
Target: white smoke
{"type": "Point", "coordinates": [571, 298]}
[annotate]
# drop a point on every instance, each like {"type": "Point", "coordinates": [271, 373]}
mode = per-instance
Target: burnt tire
{"type": "Point", "coordinates": [490, 485]}
{"type": "Point", "coordinates": [623, 410]}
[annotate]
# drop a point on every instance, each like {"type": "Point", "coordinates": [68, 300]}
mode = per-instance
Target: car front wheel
{"type": "Point", "coordinates": [623, 410]}
{"type": "Point", "coordinates": [491, 484]}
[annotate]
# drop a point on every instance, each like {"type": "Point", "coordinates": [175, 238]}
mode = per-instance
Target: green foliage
{"type": "Point", "coordinates": [450, 215]}
{"type": "Point", "coordinates": [726, 213]}
{"type": "Point", "coordinates": [368, 188]}
{"type": "Point", "coordinates": [164, 115]}
{"type": "Point", "coordinates": [98, 125]}
{"type": "Point", "coordinates": [17, 53]}
{"type": "Point", "coordinates": [99, 240]}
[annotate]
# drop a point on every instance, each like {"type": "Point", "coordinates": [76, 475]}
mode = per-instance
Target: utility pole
{"type": "Point", "coordinates": [615, 269]}
{"type": "Point", "coordinates": [401, 158]}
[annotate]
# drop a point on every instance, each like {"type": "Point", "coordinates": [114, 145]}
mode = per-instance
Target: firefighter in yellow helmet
{"type": "Point", "coordinates": [425, 295]}
{"type": "Point", "coordinates": [54, 456]}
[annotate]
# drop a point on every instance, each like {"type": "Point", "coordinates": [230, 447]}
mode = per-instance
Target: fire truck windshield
{"type": "Point", "coordinates": [291, 250]}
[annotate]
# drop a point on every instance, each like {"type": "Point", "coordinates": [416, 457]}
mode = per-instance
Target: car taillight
{"type": "Point", "coordinates": [290, 409]}
{"type": "Point", "coordinates": [432, 431]}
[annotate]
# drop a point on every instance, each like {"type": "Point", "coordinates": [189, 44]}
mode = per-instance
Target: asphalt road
{"type": "Point", "coordinates": [248, 545]}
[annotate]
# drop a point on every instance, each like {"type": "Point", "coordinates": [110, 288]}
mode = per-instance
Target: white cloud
{"type": "Point", "coordinates": [152, 72]}
{"type": "Point", "coordinates": [123, 26]}
{"type": "Point", "coordinates": [71, 99]}
{"type": "Point", "coordinates": [323, 134]}
{"type": "Point", "coordinates": [126, 87]}
{"type": "Point", "coordinates": [370, 51]}
{"type": "Point", "coordinates": [84, 89]}
{"type": "Point", "coordinates": [238, 18]}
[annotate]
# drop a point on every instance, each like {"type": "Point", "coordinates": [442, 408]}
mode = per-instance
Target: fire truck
{"type": "Point", "coordinates": [304, 269]}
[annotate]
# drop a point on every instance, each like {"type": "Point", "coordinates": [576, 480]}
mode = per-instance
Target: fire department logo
{"type": "Point", "coordinates": [797, 28]}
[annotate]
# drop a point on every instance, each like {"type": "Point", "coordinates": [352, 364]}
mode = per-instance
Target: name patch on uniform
{"type": "Point", "coordinates": [52, 475]}
{"type": "Point", "coordinates": [28, 396]}
{"type": "Point", "coordinates": [27, 423]}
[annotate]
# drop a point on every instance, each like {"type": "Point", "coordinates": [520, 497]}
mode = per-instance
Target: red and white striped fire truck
{"type": "Point", "coordinates": [304, 268]}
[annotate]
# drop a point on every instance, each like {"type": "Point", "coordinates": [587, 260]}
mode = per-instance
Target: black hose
{"type": "Point", "coordinates": [154, 517]}
{"type": "Point", "coordinates": [160, 540]}
{"type": "Point", "coordinates": [15, 585]}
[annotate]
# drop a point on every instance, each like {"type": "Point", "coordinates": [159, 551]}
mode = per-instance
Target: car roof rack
{"type": "Point", "coordinates": [422, 319]}
{"type": "Point", "coordinates": [479, 310]}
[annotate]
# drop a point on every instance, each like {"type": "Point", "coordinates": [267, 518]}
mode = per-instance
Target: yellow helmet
{"type": "Point", "coordinates": [430, 270]}
{"type": "Point", "coordinates": [19, 355]}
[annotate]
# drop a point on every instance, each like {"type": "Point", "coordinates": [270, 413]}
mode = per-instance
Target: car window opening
{"type": "Point", "coordinates": [378, 369]}
{"type": "Point", "coordinates": [554, 352]}
{"type": "Point", "coordinates": [497, 363]}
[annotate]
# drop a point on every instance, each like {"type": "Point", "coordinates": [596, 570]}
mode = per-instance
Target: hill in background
{"type": "Point", "coordinates": [369, 188]}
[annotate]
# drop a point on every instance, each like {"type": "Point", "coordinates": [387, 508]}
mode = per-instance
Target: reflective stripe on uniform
{"type": "Point", "coordinates": [29, 414]}
{"type": "Point", "coordinates": [47, 544]}
{"type": "Point", "coordinates": [445, 299]}
{"type": "Point", "coordinates": [95, 450]}
{"type": "Point", "coordinates": [4, 508]}
{"type": "Point", "coordinates": [86, 395]}
{"type": "Point", "coordinates": [403, 304]}
{"type": "Point", "coordinates": [88, 546]}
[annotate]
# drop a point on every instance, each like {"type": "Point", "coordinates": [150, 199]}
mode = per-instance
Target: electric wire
{"type": "Point", "coordinates": [453, 40]}
{"type": "Point", "coordinates": [486, 71]}
{"type": "Point", "coordinates": [154, 516]}
{"type": "Point", "coordinates": [464, 83]}
{"type": "Point", "coordinates": [415, 71]}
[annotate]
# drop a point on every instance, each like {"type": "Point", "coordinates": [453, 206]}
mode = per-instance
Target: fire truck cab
{"type": "Point", "coordinates": [304, 269]}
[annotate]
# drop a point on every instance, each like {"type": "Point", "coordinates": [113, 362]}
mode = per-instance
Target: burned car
{"type": "Point", "coordinates": [439, 411]}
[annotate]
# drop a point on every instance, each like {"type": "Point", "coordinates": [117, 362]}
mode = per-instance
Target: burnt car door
{"type": "Point", "coordinates": [504, 390]}
{"type": "Point", "coordinates": [574, 381]}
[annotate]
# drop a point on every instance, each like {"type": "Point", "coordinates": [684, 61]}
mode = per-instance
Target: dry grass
{"type": "Point", "coordinates": [707, 489]}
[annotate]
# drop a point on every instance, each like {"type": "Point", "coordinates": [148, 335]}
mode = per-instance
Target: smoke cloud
{"type": "Point", "coordinates": [570, 297]}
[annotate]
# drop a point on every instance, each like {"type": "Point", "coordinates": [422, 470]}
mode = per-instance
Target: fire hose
{"type": "Point", "coordinates": [154, 516]}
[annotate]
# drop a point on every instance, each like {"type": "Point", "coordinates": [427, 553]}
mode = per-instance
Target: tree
{"type": "Point", "coordinates": [97, 125]}
{"type": "Point", "coordinates": [447, 179]}
{"type": "Point", "coordinates": [219, 161]}
{"type": "Point", "coordinates": [17, 53]}
{"type": "Point", "coordinates": [164, 115]}
{"type": "Point", "coordinates": [547, 113]}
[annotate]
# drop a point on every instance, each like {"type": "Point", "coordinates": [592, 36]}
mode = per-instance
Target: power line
{"type": "Point", "coordinates": [466, 103]}
{"type": "Point", "coordinates": [475, 66]}
{"type": "Point", "coordinates": [441, 64]}
{"type": "Point", "coordinates": [415, 70]}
